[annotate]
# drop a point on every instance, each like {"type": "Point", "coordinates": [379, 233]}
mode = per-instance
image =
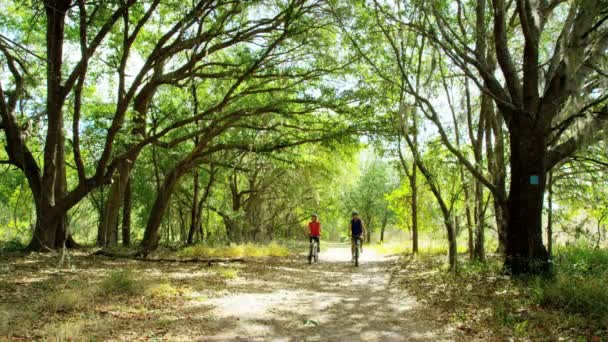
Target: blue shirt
{"type": "Point", "coordinates": [356, 227]}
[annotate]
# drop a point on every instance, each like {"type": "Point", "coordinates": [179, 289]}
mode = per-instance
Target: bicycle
{"type": "Point", "coordinates": [313, 252]}
{"type": "Point", "coordinates": [357, 251]}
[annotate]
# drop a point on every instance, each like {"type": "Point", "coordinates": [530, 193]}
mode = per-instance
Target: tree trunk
{"type": "Point", "coordinates": [452, 245]}
{"type": "Point", "coordinates": [479, 223]}
{"type": "Point", "coordinates": [550, 215]}
{"type": "Point", "coordinates": [151, 237]}
{"type": "Point", "coordinates": [486, 112]}
{"type": "Point", "coordinates": [194, 214]}
{"type": "Point", "coordinates": [414, 208]}
{"type": "Point", "coordinates": [369, 231]}
{"type": "Point", "coordinates": [107, 233]}
{"type": "Point", "coordinates": [50, 231]}
{"type": "Point", "coordinates": [467, 210]}
{"type": "Point", "coordinates": [126, 215]}
{"type": "Point", "coordinates": [383, 227]}
{"type": "Point", "coordinates": [525, 252]}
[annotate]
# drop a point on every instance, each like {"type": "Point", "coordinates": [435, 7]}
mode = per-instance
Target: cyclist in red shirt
{"type": "Point", "coordinates": [314, 230]}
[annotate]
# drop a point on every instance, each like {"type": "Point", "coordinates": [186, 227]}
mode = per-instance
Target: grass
{"type": "Point", "coordinates": [248, 250]}
{"type": "Point", "coordinates": [67, 299]}
{"type": "Point", "coordinates": [63, 331]}
{"type": "Point", "coordinates": [121, 281]}
{"type": "Point", "coordinates": [580, 284]}
{"type": "Point", "coordinates": [429, 247]}
{"type": "Point", "coordinates": [162, 290]}
{"type": "Point", "coordinates": [226, 272]}
{"type": "Point", "coordinates": [485, 304]}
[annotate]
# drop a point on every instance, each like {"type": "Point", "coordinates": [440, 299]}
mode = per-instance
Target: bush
{"type": "Point", "coordinates": [581, 259]}
{"type": "Point", "coordinates": [580, 284]}
{"type": "Point", "coordinates": [14, 245]}
{"type": "Point", "coordinates": [120, 281]}
{"type": "Point", "coordinates": [66, 299]}
{"type": "Point", "coordinates": [584, 296]}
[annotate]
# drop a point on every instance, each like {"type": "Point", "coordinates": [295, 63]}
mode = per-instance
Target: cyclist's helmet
{"type": "Point", "coordinates": [314, 215]}
{"type": "Point", "coordinates": [355, 212]}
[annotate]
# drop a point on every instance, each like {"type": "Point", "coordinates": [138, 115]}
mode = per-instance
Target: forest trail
{"type": "Point", "coordinates": [329, 301]}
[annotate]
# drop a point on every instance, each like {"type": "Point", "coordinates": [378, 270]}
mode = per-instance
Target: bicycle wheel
{"type": "Point", "coordinates": [316, 248]}
{"type": "Point", "coordinates": [310, 254]}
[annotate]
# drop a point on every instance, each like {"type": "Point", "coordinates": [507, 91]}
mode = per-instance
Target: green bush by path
{"type": "Point", "coordinates": [580, 285]}
{"type": "Point", "coordinates": [485, 303]}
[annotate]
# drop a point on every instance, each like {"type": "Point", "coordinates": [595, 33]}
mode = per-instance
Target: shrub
{"type": "Point", "coordinates": [586, 296]}
{"type": "Point", "coordinates": [276, 250]}
{"type": "Point", "coordinates": [14, 245]}
{"type": "Point", "coordinates": [121, 281]}
{"type": "Point", "coordinates": [580, 284]}
{"type": "Point", "coordinates": [582, 260]}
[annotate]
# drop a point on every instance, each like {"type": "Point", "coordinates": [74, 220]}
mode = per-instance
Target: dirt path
{"type": "Point", "coordinates": [328, 301]}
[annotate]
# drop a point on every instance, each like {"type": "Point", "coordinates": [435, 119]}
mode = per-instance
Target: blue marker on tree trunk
{"type": "Point", "coordinates": [534, 180]}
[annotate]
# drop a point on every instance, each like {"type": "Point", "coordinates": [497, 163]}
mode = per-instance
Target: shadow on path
{"type": "Point", "coordinates": [329, 301]}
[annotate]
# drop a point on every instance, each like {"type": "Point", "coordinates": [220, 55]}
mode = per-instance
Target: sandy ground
{"type": "Point", "coordinates": [328, 301]}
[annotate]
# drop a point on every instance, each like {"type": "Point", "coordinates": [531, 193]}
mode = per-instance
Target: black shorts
{"type": "Point", "coordinates": [316, 238]}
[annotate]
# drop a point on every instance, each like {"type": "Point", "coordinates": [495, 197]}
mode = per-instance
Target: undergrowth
{"type": "Point", "coordinates": [484, 303]}
{"type": "Point", "coordinates": [121, 281]}
{"type": "Point", "coordinates": [247, 250]}
{"type": "Point", "coordinates": [580, 285]}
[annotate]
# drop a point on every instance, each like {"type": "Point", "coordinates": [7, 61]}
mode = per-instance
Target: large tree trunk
{"type": "Point", "coordinates": [50, 231]}
{"type": "Point", "coordinates": [126, 215]}
{"type": "Point", "coordinates": [525, 252]}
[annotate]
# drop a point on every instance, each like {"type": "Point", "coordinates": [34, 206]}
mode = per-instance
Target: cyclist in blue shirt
{"type": "Point", "coordinates": [356, 230]}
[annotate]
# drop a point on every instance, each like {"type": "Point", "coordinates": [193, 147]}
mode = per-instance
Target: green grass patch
{"type": "Point", "coordinates": [63, 331]}
{"type": "Point", "coordinates": [580, 285]}
{"type": "Point", "coordinates": [67, 299]}
{"type": "Point", "coordinates": [226, 272]}
{"type": "Point", "coordinates": [162, 290]}
{"type": "Point", "coordinates": [429, 247]}
{"type": "Point", "coordinates": [121, 281]}
{"type": "Point", "coordinates": [484, 303]}
{"type": "Point", "coordinates": [248, 250]}
{"type": "Point", "coordinates": [390, 248]}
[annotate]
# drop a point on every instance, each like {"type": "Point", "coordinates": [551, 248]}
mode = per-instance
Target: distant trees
{"type": "Point", "coordinates": [368, 196]}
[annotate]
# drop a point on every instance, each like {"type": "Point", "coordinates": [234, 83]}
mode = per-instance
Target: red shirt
{"type": "Point", "coordinates": [314, 228]}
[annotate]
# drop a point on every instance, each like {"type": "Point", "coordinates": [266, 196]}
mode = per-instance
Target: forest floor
{"type": "Point", "coordinates": [279, 299]}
